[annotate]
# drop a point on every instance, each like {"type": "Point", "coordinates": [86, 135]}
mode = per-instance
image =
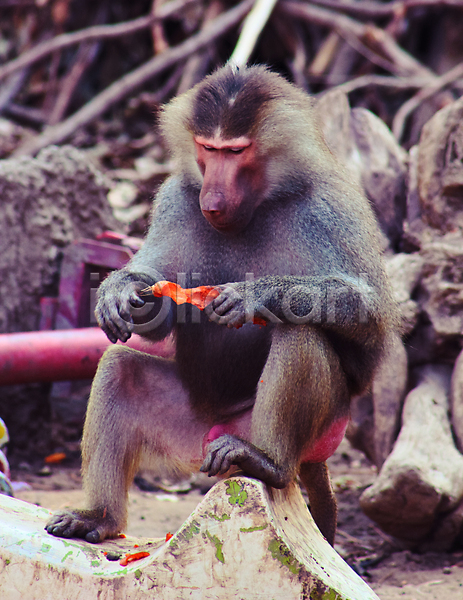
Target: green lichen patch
{"type": "Point", "coordinates": [224, 517]}
{"type": "Point", "coordinates": [251, 529]}
{"type": "Point", "coordinates": [67, 555]}
{"type": "Point", "coordinates": [328, 595]}
{"type": "Point", "coordinates": [236, 493]}
{"type": "Point", "coordinates": [90, 551]}
{"type": "Point", "coordinates": [45, 547]}
{"type": "Point", "coordinates": [191, 531]}
{"type": "Point", "coordinates": [186, 534]}
{"type": "Point", "coordinates": [70, 544]}
{"type": "Point", "coordinates": [280, 552]}
{"type": "Point", "coordinates": [218, 546]}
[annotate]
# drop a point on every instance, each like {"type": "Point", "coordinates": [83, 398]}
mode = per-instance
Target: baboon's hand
{"type": "Point", "coordinates": [116, 298]}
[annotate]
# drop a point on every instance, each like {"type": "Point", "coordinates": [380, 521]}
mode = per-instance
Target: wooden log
{"type": "Point", "coordinates": [440, 170]}
{"type": "Point", "coordinates": [375, 416]}
{"type": "Point", "coordinates": [243, 540]}
{"type": "Point", "coordinates": [405, 272]}
{"type": "Point", "coordinates": [420, 483]}
{"type": "Point", "coordinates": [456, 401]}
{"type": "Point", "coordinates": [372, 156]}
{"type": "Point", "coordinates": [388, 392]}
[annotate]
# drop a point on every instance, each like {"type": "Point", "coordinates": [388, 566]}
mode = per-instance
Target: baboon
{"type": "Point", "coordinates": [259, 208]}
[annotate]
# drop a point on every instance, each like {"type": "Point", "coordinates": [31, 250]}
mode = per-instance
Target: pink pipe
{"type": "Point", "coordinates": [61, 355]}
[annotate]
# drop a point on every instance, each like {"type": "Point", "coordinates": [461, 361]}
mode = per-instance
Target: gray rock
{"type": "Point", "coordinates": [440, 168]}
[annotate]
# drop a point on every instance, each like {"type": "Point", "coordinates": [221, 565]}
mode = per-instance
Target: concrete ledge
{"type": "Point", "coordinates": [243, 541]}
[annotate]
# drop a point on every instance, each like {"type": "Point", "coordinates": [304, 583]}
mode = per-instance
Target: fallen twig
{"type": "Point", "coordinates": [29, 114]}
{"type": "Point", "coordinates": [357, 44]}
{"type": "Point", "coordinates": [196, 65]}
{"type": "Point", "coordinates": [353, 539]}
{"type": "Point", "coordinates": [325, 54]}
{"type": "Point", "coordinates": [11, 88]}
{"type": "Point", "coordinates": [373, 37]}
{"type": "Point", "coordinates": [400, 83]}
{"type": "Point", "coordinates": [398, 124]}
{"type": "Point", "coordinates": [85, 56]}
{"type": "Point", "coordinates": [160, 43]}
{"type": "Point", "coordinates": [126, 84]}
{"type": "Point", "coordinates": [97, 32]}
{"type": "Point", "coordinates": [370, 9]}
{"type": "Point", "coordinates": [252, 28]}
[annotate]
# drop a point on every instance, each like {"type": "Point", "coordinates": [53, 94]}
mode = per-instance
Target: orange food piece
{"type": "Point", "coordinates": [169, 536]}
{"type": "Point", "coordinates": [128, 558]}
{"type": "Point", "coordinates": [259, 321]}
{"type": "Point", "coordinates": [199, 296]}
{"type": "Point", "coordinates": [55, 458]}
{"type": "Point", "coordinates": [122, 535]}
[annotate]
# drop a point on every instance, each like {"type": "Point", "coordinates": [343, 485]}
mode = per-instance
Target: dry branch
{"type": "Point", "coordinates": [325, 54]}
{"type": "Point", "coordinates": [28, 114]}
{"type": "Point", "coordinates": [196, 66]}
{"type": "Point", "coordinates": [160, 44]}
{"type": "Point", "coordinates": [400, 83]}
{"type": "Point", "coordinates": [127, 84]}
{"type": "Point", "coordinates": [252, 28]}
{"type": "Point", "coordinates": [97, 32]}
{"type": "Point", "coordinates": [85, 56]}
{"type": "Point", "coordinates": [373, 37]}
{"type": "Point", "coordinates": [372, 10]}
{"type": "Point", "coordinates": [412, 104]}
{"type": "Point", "coordinates": [375, 58]}
{"type": "Point", "coordinates": [11, 88]}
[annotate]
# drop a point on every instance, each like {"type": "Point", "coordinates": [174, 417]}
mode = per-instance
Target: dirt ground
{"type": "Point", "coordinates": [393, 572]}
